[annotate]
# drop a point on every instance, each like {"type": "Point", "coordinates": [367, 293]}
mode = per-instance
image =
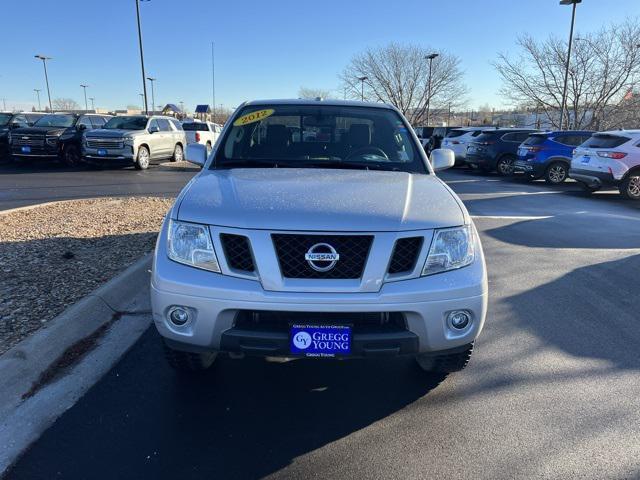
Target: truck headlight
{"type": "Point", "coordinates": [53, 141]}
{"type": "Point", "coordinates": [190, 243]}
{"type": "Point", "coordinates": [451, 248]}
{"type": "Point", "coordinates": [128, 141]}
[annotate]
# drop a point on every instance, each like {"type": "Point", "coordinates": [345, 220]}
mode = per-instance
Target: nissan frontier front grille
{"type": "Point", "coordinates": [347, 255]}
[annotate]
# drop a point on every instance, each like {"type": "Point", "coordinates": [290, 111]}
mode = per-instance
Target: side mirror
{"type": "Point", "coordinates": [442, 158]}
{"type": "Point", "coordinates": [196, 154]}
{"type": "Point", "coordinates": [82, 126]}
{"type": "Point", "coordinates": [154, 129]}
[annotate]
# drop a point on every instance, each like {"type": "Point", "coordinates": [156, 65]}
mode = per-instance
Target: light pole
{"type": "Point", "coordinates": [213, 82]}
{"type": "Point", "coordinates": [142, 97]}
{"type": "Point", "coordinates": [93, 105]}
{"type": "Point", "coordinates": [144, 82]}
{"type": "Point", "coordinates": [573, 3]}
{"type": "Point", "coordinates": [37, 90]}
{"type": "Point", "coordinates": [429, 57]}
{"type": "Point", "coordinates": [181, 106]}
{"type": "Point", "coordinates": [153, 94]}
{"type": "Point", "coordinates": [362, 80]}
{"type": "Point", "coordinates": [46, 77]}
{"type": "Point", "coordinates": [86, 106]}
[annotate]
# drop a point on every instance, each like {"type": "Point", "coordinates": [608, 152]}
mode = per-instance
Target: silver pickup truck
{"type": "Point", "coordinates": [339, 242]}
{"type": "Point", "coordinates": [136, 140]}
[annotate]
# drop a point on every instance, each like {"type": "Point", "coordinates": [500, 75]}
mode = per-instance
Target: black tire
{"type": "Point", "coordinates": [556, 173]}
{"type": "Point", "coordinates": [588, 188]}
{"type": "Point", "coordinates": [178, 153]}
{"type": "Point", "coordinates": [187, 361]}
{"type": "Point", "coordinates": [71, 155]}
{"type": "Point", "coordinates": [142, 159]}
{"type": "Point", "coordinates": [452, 362]}
{"type": "Point", "coordinates": [504, 166]}
{"type": "Point", "coordinates": [630, 186]}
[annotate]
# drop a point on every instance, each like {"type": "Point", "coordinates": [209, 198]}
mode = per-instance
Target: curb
{"type": "Point", "coordinates": [113, 316]}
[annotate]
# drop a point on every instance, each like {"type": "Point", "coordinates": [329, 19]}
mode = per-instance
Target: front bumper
{"type": "Point", "coordinates": [216, 302]}
{"type": "Point", "coordinates": [35, 152]}
{"type": "Point", "coordinates": [593, 178]}
{"type": "Point", "coordinates": [127, 153]}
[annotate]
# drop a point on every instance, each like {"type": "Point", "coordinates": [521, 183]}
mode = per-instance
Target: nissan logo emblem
{"type": "Point", "coordinates": [322, 257]}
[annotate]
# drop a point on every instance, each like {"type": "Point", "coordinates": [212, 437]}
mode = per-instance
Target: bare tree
{"type": "Point", "coordinates": [65, 104]}
{"type": "Point", "coordinates": [222, 115]}
{"type": "Point", "coordinates": [604, 67]}
{"type": "Point", "coordinates": [311, 93]}
{"type": "Point", "coordinates": [399, 75]}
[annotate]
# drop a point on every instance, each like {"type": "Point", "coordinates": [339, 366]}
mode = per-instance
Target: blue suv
{"type": "Point", "coordinates": [548, 154]}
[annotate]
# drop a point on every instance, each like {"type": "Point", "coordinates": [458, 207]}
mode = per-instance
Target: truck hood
{"type": "Point", "coordinates": [113, 133]}
{"type": "Point", "coordinates": [51, 131]}
{"type": "Point", "coordinates": [319, 200]}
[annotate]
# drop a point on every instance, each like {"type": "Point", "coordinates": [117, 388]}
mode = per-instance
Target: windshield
{"type": "Point", "coordinates": [195, 127]}
{"type": "Point", "coordinates": [535, 140]}
{"type": "Point", "coordinates": [319, 136]}
{"type": "Point", "coordinates": [604, 141]}
{"type": "Point", "coordinates": [56, 120]}
{"type": "Point", "coordinates": [4, 118]}
{"type": "Point", "coordinates": [127, 123]}
{"type": "Point", "coordinates": [456, 133]}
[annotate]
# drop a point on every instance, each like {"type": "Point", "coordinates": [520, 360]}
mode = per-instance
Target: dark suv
{"type": "Point", "coordinates": [57, 135]}
{"type": "Point", "coordinates": [10, 121]}
{"type": "Point", "coordinates": [496, 149]}
{"type": "Point", "coordinates": [549, 154]}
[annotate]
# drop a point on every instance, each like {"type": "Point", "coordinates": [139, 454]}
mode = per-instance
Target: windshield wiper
{"type": "Point", "coordinates": [350, 165]}
{"type": "Point", "coordinates": [250, 163]}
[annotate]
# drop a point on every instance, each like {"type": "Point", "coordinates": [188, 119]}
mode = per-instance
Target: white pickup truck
{"type": "Point", "coordinates": [204, 133]}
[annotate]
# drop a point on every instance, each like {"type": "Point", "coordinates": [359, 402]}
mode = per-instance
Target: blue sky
{"type": "Point", "coordinates": [264, 49]}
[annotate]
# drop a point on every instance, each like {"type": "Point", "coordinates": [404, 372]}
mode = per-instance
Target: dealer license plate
{"type": "Point", "coordinates": [26, 149]}
{"type": "Point", "coordinates": [320, 340]}
{"type": "Point", "coordinates": [102, 152]}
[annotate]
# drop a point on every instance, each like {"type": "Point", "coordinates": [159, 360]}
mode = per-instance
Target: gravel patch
{"type": "Point", "coordinates": [53, 255]}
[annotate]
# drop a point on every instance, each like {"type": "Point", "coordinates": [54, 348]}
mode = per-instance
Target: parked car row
{"type": "Point", "coordinates": [593, 159]}
{"type": "Point", "coordinates": [135, 139]}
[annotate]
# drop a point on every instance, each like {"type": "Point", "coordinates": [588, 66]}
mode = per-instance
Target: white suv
{"type": "Point", "coordinates": [338, 245]}
{"type": "Point", "coordinates": [458, 139]}
{"type": "Point", "coordinates": [609, 158]}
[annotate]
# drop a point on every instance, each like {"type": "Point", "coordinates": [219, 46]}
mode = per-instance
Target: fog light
{"type": "Point", "coordinates": [179, 316]}
{"type": "Point", "coordinates": [459, 319]}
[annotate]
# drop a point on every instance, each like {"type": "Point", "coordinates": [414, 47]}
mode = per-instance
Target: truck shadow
{"type": "Point", "coordinates": [591, 312]}
{"type": "Point", "coordinates": [241, 419]}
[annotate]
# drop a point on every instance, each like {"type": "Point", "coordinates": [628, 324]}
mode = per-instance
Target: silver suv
{"type": "Point", "coordinates": [136, 139]}
{"type": "Point", "coordinates": [338, 242]}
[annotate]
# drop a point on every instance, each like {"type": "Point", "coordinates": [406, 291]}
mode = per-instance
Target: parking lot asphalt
{"type": "Point", "coordinates": [29, 184]}
{"type": "Point", "coordinates": [552, 391]}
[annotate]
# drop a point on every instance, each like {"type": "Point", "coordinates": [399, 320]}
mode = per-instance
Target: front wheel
{"type": "Point", "coordinates": [630, 187]}
{"type": "Point", "coordinates": [504, 166]}
{"type": "Point", "coordinates": [178, 154]}
{"type": "Point", "coordinates": [187, 361]}
{"type": "Point", "coordinates": [71, 155]}
{"type": "Point", "coordinates": [556, 173]}
{"type": "Point", "coordinates": [447, 362]}
{"type": "Point", "coordinates": [142, 160]}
